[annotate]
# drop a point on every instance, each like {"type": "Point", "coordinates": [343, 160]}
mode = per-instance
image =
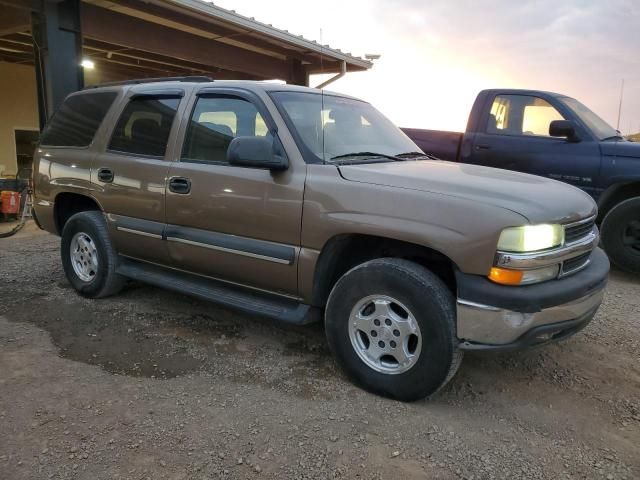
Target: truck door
{"type": "Point", "coordinates": [129, 177]}
{"type": "Point", "coordinates": [232, 223]}
{"type": "Point", "coordinates": [516, 137]}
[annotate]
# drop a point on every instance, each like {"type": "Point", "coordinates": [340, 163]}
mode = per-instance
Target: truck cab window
{"type": "Point", "coordinates": [216, 121]}
{"type": "Point", "coordinates": [521, 115]}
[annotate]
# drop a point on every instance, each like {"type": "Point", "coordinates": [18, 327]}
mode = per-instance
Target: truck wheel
{"type": "Point", "coordinates": [88, 256]}
{"type": "Point", "coordinates": [621, 235]}
{"type": "Point", "coordinates": [391, 325]}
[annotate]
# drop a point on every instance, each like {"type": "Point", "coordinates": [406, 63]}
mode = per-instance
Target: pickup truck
{"type": "Point", "coordinates": [298, 204]}
{"type": "Point", "coordinates": [553, 136]}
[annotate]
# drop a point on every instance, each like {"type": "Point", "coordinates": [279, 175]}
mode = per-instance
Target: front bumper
{"type": "Point", "coordinates": [497, 317]}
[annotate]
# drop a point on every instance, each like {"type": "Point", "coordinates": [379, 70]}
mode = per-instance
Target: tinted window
{"type": "Point", "coordinates": [521, 115]}
{"type": "Point", "coordinates": [144, 126]}
{"type": "Point", "coordinates": [215, 122]}
{"type": "Point", "coordinates": [77, 120]}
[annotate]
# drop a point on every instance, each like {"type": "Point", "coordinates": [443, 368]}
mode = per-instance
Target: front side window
{"type": "Point", "coordinates": [332, 127]}
{"type": "Point", "coordinates": [77, 120]}
{"type": "Point", "coordinates": [215, 121]}
{"type": "Point", "coordinates": [521, 115]}
{"type": "Point", "coordinates": [144, 126]}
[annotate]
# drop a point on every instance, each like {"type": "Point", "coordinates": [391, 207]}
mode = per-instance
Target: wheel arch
{"type": "Point", "coordinates": [345, 251]}
{"type": "Point", "coordinates": [615, 194]}
{"type": "Point", "coordinates": [67, 204]}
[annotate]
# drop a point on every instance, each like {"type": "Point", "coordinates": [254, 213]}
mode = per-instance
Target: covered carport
{"type": "Point", "coordinates": [44, 45]}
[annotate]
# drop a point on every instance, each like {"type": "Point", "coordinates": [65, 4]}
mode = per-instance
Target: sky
{"type": "Point", "coordinates": [436, 55]}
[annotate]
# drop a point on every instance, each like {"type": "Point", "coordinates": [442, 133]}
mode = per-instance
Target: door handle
{"type": "Point", "coordinates": [483, 146]}
{"type": "Point", "coordinates": [105, 175]}
{"type": "Point", "coordinates": [180, 185]}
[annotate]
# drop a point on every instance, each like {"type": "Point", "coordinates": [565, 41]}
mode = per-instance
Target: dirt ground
{"type": "Point", "coordinates": [151, 384]}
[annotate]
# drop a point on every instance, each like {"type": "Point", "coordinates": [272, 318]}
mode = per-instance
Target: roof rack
{"type": "Point", "coordinates": [193, 78]}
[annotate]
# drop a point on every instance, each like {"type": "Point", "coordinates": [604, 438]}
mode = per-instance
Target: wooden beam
{"type": "Point", "coordinates": [100, 49]}
{"type": "Point", "coordinates": [14, 48]}
{"type": "Point", "coordinates": [14, 20]}
{"type": "Point", "coordinates": [297, 73]}
{"type": "Point", "coordinates": [331, 67]}
{"type": "Point", "coordinates": [123, 30]}
{"type": "Point", "coordinates": [16, 58]}
{"type": "Point", "coordinates": [27, 5]}
{"type": "Point", "coordinates": [243, 38]}
{"type": "Point", "coordinates": [108, 71]}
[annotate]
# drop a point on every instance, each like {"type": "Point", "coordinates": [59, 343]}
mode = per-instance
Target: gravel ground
{"type": "Point", "coordinates": [151, 384]}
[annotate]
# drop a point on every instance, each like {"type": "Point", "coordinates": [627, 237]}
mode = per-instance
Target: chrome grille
{"type": "Point", "coordinates": [576, 231]}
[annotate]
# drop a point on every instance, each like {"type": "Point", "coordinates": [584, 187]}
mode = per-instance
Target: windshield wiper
{"type": "Point", "coordinates": [368, 154]}
{"type": "Point", "coordinates": [417, 155]}
{"type": "Point", "coordinates": [613, 137]}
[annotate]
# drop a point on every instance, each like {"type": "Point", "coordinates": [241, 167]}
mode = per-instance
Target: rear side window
{"type": "Point", "coordinates": [76, 121]}
{"type": "Point", "coordinates": [144, 126]}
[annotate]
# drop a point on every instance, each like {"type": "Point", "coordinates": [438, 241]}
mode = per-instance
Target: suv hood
{"type": "Point", "coordinates": [539, 199]}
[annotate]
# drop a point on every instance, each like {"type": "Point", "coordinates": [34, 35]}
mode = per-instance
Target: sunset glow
{"type": "Point", "coordinates": [437, 55]}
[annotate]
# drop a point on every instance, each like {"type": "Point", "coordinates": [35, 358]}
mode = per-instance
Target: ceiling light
{"type": "Point", "coordinates": [88, 64]}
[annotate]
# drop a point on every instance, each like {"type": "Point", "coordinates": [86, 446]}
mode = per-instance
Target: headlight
{"type": "Point", "coordinates": [530, 238]}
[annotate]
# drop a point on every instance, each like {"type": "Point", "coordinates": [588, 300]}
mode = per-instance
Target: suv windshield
{"type": "Point", "coordinates": [336, 129]}
{"type": "Point", "coordinates": [598, 126]}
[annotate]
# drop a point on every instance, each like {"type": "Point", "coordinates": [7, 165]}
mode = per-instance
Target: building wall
{"type": "Point", "coordinates": [18, 110]}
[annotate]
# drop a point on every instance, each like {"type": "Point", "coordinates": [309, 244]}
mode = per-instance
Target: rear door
{"type": "Point", "coordinates": [130, 175]}
{"type": "Point", "coordinates": [516, 137]}
{"type": "Point", "coordinates": [236, 224]}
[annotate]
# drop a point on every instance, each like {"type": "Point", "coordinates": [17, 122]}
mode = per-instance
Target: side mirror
{"type": "Point", "coordinates": [563, 128]}
{"type": "Point", "coordinates": [255, 152]}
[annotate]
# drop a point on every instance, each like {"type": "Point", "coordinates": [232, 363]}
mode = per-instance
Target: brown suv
{"type": "Point", "coordinates": [288, 202]}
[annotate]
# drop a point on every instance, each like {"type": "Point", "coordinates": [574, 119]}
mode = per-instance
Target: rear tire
{"type": "Point", "coordinates": [620, 232]}
{"type": "Point", "coordinates": [88, 256]}
{"type": "Point", "coordinates": [404, 345]}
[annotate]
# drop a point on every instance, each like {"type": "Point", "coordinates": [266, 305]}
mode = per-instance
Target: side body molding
{"type": "Point", "coordinates": [234, 244]}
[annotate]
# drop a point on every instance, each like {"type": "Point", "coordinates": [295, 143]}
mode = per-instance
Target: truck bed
{"type": "Point", "coordinates": [444, 145]}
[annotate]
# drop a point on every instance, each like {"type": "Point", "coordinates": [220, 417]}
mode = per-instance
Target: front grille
{"type": "Point", "coordinates": [577, 231]}
{"type": "Point", "coordinates": [574, 264]}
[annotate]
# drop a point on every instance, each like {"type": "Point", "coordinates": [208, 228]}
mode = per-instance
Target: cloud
{"type": "Point", "coordinates": [437, 54]}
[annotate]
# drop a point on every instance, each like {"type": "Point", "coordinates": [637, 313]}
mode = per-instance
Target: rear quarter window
{"type": "Point", "coordinates": [76, 121]}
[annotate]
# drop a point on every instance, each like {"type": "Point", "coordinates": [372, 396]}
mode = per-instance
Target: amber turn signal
{"type": "Point", "coordinates": [506, 276]}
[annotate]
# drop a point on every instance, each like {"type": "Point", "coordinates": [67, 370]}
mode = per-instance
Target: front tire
{"type": "Point", "coordinates": [391, 325]}
{"type": "Point", "coordinates": [88, 256]}
{"type": "Point", "coordinates": [621, 235]}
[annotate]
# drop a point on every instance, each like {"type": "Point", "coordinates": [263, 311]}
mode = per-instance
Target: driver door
{"type": "Point", "coordinates": [516, 137]}
{"type": "Point", "coordinates": [232, 223]}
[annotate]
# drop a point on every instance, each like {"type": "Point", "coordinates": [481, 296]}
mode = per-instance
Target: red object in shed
{"type": "Point", "coordinates": [9, 202]}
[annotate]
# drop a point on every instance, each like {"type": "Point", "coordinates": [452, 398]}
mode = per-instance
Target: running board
{"type": "Point", "coordinates": [236, 297]}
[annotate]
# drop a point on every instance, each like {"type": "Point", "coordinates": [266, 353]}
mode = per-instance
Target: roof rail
{"type": "Point", "coordinates": [193, 78]}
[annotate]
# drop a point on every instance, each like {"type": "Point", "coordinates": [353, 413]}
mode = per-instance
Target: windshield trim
{"type": "Point", "coordinates": [318, 92]}
{"type": "Point", "coordinates": [308, 156]}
